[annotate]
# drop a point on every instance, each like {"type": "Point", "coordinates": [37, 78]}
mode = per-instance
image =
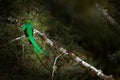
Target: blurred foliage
{"type": "Point", "coordinates": [77, 25]}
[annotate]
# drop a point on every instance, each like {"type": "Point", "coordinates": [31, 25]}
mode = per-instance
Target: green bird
{"type": "Point", "coordinates": [28, 31]}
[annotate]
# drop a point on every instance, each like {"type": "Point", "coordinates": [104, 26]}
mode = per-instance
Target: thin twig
{"type": "Point", "coordinates": [18, 38]}
{"type": "Point", "coordinates": [54, 66]}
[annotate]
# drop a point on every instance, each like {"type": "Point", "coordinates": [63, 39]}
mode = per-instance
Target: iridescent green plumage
{"type": "Point", "coordinates": [28, 30]}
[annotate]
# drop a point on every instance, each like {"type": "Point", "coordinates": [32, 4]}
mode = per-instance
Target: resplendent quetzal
{"type": "Point", "coordinates": [28, 31]}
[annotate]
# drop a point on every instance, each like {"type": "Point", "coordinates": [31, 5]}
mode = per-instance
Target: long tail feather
{"type": "Point", "coordinates": [36, 46]}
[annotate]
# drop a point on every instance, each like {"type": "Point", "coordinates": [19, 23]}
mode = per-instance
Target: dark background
{"type": "Point", "coordinates": [77, 25]}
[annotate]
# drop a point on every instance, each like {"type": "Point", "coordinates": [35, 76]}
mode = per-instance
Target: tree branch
{"type": "Point", "coordinates": [105, 14]}
{"type": "Point", "coordinates": [97, 72]}
{"type": "Point", "coordinates": [74, 57]}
